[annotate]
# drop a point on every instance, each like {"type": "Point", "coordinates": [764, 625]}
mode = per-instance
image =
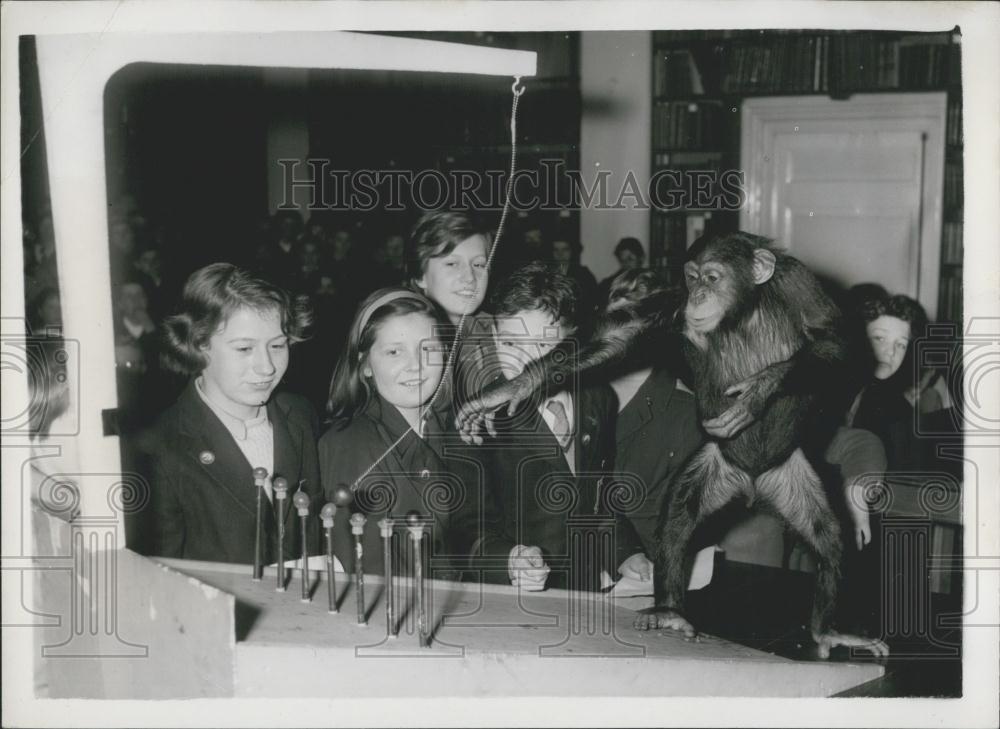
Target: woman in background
{"type": "Point", "coordinates": [887, 404]}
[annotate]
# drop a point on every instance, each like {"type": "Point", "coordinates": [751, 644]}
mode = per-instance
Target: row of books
{"type": "Point", "coordinates": [950, 297]}
{"type": "Point", "coordinates": [708, 160]}
{"type": "Point", "coordinates": [687, 36]}
{"type": "Point", "coordinates": [827, 63]}
{"type": "Point", "coordinates": [954, 121]}
{"type": "Point", "coordinates": [925, 63]}
{"type": "Point", "coordinates": [671, 235]}
{"type": "Point", "coordinates": [953, 192]}
{"type": "Point", "coordinates": [951, 242]}
{"type": "Point", "coordinates": [675, 73]}
{"type": "Point", "coordinates": [866, 62]}
{"type": "Point", "coordinates": [787, 64]}
{"type": "Point", "coordinates": [686, 125]}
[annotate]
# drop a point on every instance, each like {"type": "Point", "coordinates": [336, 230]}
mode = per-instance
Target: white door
{"type": "Point", "coordinates": [852, 188]}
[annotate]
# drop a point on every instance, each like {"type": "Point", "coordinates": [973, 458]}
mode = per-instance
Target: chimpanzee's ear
{"type": "Point", "coordinates": [763, 265]}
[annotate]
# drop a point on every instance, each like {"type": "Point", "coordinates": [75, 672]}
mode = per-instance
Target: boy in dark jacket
{"type": "Point", "coordinates": [547, 512]}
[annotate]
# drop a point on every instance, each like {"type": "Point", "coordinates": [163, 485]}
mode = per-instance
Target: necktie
{"type": "Point", "coordinates": [561, 429]}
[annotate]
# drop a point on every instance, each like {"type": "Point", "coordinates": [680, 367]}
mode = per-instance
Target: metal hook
{"type": "Point", "coordinates": [515, 87]}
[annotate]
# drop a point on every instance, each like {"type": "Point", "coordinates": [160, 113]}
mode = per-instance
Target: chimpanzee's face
{"type": "Point", "coordinates": [721, 281]}
{"type": "Point", "coordinates": [711, 292]}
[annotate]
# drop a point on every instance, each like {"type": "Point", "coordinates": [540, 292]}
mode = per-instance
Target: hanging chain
{"type": "Point", "coordinates": [517, 89]}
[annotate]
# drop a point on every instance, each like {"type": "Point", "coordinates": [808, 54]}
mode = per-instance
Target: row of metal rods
{"type": "Point", "coordinates": [342, 497]}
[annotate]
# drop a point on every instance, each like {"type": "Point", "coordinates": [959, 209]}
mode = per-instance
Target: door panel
{"type": "Point", "coordinates": [852, 188]}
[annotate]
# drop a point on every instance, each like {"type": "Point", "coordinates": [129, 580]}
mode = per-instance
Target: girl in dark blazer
{"type": "Point", "coordinates": [392, 440]}
{"type": "Point", "coordinates": [231, 335]}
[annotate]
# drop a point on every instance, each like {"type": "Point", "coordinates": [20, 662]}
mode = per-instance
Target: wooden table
{"type": "Point", "coordinates": [488, 640]}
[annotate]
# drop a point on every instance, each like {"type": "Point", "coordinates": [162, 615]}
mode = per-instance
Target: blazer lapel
{"type": "Point", "coordinates": [587, 432]}
{"type": "Point", "coordinates": [215, 452]}
{"type": "Point", "coordinates": [637, 413]}
{"type": "Point", "coordinates": [390, 425]}
{"type": "Point", "coordinates": [287, 447]}
{"type": "Point", "coordinates": [287, 460]}
{"type": "Point", "coordinates": [665, 384]}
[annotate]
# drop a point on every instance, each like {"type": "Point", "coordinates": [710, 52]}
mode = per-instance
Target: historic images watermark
{"type": "Point", "coordinates": [550, 186]}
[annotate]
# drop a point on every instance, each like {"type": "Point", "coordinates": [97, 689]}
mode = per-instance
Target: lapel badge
{"type": "Point", "coordinates": [207, 457]}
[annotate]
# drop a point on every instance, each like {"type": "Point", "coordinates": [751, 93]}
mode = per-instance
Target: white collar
{"type": "Point", "coordinates": [239, 428]}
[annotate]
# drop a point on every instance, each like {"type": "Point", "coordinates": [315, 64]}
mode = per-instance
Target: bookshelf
{"type": "Point", "coordinates": [700, 79]}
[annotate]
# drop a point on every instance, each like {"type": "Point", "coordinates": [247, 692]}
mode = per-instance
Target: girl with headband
{"type": "Point", "coordinates": [392, 416]}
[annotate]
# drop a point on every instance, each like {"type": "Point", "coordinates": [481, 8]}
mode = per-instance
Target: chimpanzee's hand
{"type": "Point", "coordinates": [751, 396]}
{"type": "Point", "coordinates": [730, 422]}
{"type": "Point", "coordinates": [831, 639]}
{"type": "Point", "coordinates": [477, 414]}
{"type": "Point", "coordinates": [658, 618]}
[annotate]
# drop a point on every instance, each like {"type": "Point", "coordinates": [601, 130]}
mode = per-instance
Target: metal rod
{"type": "Point", "coordinates": [280, 487]}
{"type": "Point", "coordinates": [259, 475]}
{"type": "Point", "coordinates": [416, 530]}
{"type": "Point", "coordinates": [419, 573]}
{"type": "Point", "coordinates": [301, 501]}
{"type": "Point", "coordinates": [385, 526]}
{"type": "Point", "coordinates": [327, 514]}
{"type": "Point", "coordinates": [358, 530]}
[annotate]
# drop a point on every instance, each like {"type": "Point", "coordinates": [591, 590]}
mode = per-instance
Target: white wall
{"type": "Point", "coordinates": [615, 82]}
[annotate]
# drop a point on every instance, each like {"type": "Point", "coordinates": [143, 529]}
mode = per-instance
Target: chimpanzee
{"type": "Point", "coordinates": [760, 339]}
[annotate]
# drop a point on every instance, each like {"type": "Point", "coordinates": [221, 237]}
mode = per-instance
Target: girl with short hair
{"type": "Point", "coordinates": [231, 336]}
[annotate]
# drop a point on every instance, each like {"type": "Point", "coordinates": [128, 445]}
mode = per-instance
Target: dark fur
{"type": "Point", "coordinates": [779, 341]}
{"type": "Point", "coordinates": [789, 320]}
{"type": "Point", "coordinates": [784, 333]}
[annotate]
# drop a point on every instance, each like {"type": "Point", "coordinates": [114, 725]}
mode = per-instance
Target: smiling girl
{"type": "Point", "coordinates": [231, 335]}
{"type": "Point", "coordinates": [388, 429]}
{"type": "Point", "coordinates": [448, 262]}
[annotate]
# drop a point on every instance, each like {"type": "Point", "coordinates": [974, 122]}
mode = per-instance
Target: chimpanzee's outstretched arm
{"type": "Point", "coordinates": [614, 337]}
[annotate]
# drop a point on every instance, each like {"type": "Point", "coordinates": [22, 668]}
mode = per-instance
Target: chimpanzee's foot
{"type": "Point", "coordinates": [658, 618]}
{"type": "Point", "coordinates": [826, 641]}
